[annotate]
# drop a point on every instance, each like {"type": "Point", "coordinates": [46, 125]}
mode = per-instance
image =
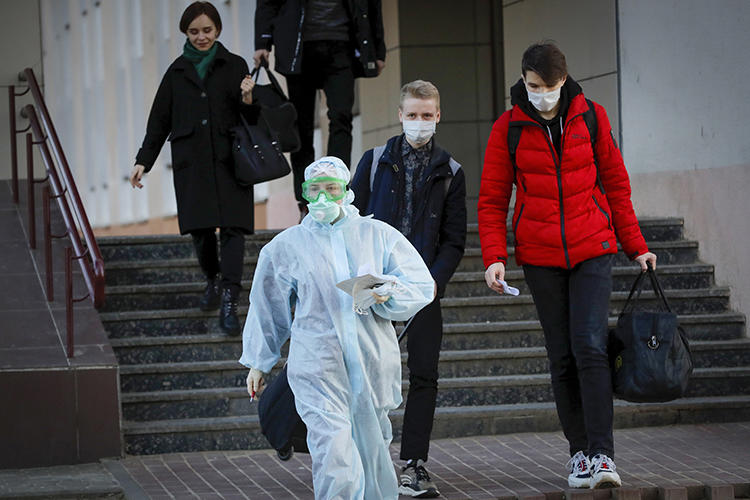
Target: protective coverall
{"type": "Point", "coordinates": [344, 368]}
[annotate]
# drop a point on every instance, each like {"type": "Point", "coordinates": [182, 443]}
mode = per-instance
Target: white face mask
{"type": "Point", "coordinates": [323, 210]}
{"type": "Point", "coordinates": [419, 131]}
{"type": "Point", "coordinates": [544, 101]}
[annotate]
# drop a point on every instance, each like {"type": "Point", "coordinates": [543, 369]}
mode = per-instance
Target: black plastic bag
{"type": "Point", "coordinates": [279, 421]}
{"type": "Point", "coordinates": [649, 351]}
{"type": "Point", "coordinates": [278, 116]}
{"type": "Point", "coordinates": [257, 157]}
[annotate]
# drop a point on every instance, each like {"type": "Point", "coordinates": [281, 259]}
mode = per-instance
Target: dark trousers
{"type": "Point", "coordinates": [423, 345]}
{"type": "Point", "coordinates": [232, 252]}
{"type": "Point", "coordinates": [326, 65]}
{"type": "Point", "coordinates": [573, 306]}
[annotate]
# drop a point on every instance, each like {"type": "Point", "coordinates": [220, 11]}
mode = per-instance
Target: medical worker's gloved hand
{"type": "Point", "coordinates": [381, 299]}
{"type": "Point", "coordinates": [255, 382]}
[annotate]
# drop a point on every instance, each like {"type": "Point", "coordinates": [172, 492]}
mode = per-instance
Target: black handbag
{"type": "Point", "coordinates": [257, 157]}
{"type": "Point", "coordinates": [279, 421]}
{"type": "Point", "coordinates": [649, 351]}
{"type": "Point", "coordinates": [278, 116]}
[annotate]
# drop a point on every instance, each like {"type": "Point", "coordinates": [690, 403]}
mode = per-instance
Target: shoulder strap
{"type": "Point", "coordinates": [377, 152]}
{"type": "Point", "coordinates": [589, 117]}
{"type": "Point", "coordinates": [514, 137]}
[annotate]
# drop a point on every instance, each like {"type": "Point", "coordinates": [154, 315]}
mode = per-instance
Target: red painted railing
{"type": "Point", "coordinates": [60, 187]}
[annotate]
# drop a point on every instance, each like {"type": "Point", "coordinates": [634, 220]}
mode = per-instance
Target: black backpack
{"type": "Point", "coordinates": [589, 117]}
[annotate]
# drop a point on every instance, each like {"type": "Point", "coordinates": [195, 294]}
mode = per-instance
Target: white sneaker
{"type": "Point", "coordinates": [580, 471]}
{"type": "Point", "coordinates": [603, 474]}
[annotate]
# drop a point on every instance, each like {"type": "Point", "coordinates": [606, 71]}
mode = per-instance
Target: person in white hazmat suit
{"type": "Point", "coordinates": [344, 364]}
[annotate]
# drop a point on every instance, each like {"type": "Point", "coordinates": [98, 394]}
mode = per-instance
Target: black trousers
{"type": "Point", "coordinates": [232, 255]}
{"type": "Point", "coordinates": [326, 65]}
{"type": "Point", "coordinates": [573, 306]}
{"type": "Point", "coordinates": [423, 345]}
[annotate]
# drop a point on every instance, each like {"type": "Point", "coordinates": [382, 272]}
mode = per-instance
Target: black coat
{"type": "Point", "coordinates": [278, 23]}
{"type": "Point", "coordinates": [439, 225]}
{"type": "Point", "coordinates": [196, 116]}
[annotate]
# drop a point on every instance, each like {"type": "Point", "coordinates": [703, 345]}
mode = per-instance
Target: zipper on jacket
{"type": "Point", "coordinates": [609, 222]}
{"type": "Point", "coordinates": [299, 38]}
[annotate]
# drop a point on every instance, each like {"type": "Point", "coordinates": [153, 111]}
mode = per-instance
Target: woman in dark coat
{"type": "Point", "coordinates": [199, 100]}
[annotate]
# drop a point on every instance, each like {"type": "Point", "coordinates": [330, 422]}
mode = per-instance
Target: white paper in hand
{"type": "Point", "coordinates": [358, 283]}
{"type": "Point", "coordinates": [508, 289]}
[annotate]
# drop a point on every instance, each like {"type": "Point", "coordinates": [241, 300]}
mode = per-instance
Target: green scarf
{"type": "Point", "coordinates": [201, 59]}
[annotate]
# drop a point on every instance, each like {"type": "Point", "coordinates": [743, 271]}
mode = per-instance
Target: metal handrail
{"type": "Point", "coordinates": [62, 181]}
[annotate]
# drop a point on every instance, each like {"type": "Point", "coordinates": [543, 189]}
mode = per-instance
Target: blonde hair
{"type": "Point", "coordinates": [419, 89]}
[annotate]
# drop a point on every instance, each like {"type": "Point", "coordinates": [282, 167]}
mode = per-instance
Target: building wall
{"type": "Point", "coordinates": [684, 73]}
{"type": "Point", "coordinates": [25, 51]}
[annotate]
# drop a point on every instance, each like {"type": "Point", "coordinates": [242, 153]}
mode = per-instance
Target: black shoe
{"type": "Point", "coordinates": [415, 481]}
{"type": "Point", "coordinates": [228, 320]}
{"type": "Point", "coordinates": [211, 299]}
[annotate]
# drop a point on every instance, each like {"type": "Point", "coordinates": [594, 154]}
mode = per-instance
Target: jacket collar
{"type": "Point", "coordinates": [439, 156]}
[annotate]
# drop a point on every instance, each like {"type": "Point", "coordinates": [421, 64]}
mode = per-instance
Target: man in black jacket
{"type": "Point", "coordinates": [417, 187]}
{"type": "Point", "coordinates": [321, 44]}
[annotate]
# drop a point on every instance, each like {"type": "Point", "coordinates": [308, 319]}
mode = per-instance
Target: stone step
{"type": "Point", "coordinates": [119, 248]}
{"type": "Point", "coordinates": [667, 252]}
{"type": "Point", "coordinates": [186, 269]}
{"type": "Point", "coordinates": [243, 432]}
{"type": "Point", "coordinates": [472, 284]}
{"type": "Point", "coordinates": [167, 246]}
{"type": "Point", "coordinates": [472, 335]}
{"type": "Point", "coordinates": [455, 391]}
{"type": "Point", "coordinates": [653, 229]}
{"type": "Point", "coordinates": [528, 333]}
{"type": "Point", "coordinates": [176, 295]}
{"type": "Point", "coordinates": [144, 351]}
{"type": "Point", "coordinates": [508, 308]}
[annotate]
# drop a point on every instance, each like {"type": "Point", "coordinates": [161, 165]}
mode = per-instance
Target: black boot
{"type": "Point", "coordinates": [228, 320]}
{"type": "Point", "coordinates": [210, 300]}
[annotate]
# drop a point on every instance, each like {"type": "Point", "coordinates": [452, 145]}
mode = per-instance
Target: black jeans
{"type": "Point", "coordinates": [573, 306]}
{"type": "Point", "coordinates": [326, 65]}
{"type": "Point", "coordinates": [232, 254]}
{"type": "Point", "coordinates": [423, 345]}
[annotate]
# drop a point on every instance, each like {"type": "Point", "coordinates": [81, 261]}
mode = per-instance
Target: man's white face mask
{"type": "Point", "coordinates": [419, 132]}
{"type": "Point", "coordinates": [544, 101]}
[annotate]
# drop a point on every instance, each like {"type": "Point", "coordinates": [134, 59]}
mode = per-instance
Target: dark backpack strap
{"type": "Point", "coordinates": [589, 117]}
{"type": "Point", "coordinates": [377, 152]}
{"type": "Point", "coordinates": [514, 137]}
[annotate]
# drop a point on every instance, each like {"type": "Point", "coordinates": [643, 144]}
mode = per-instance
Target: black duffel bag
{"type": "Point", "coordinates": [649, 351]}
{"type": "Point", "coordinates": [278, 116]}
{"type": "Point", "coordinates": [279, 421]}
{"type": "Point", "coordinates": [257, 157]}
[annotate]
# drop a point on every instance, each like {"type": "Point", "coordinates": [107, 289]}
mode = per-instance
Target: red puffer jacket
{"type": "Point", "coordinates": [561, 216]}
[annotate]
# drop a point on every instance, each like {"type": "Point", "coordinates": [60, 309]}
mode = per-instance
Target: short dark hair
{"type": "Point", "coordinates": [194, 10]}
{"type": "Point", "coordinates": [546, 60]}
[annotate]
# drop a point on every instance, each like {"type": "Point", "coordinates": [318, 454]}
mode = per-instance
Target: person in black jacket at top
{"type": "Point", "coordinates": [321, 44]}
{"type": "Point", "coordinates": [199, 99]}
{"type": "Point", "coordinates": [416, 186]}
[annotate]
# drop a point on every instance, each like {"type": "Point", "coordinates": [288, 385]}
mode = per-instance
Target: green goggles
{"type": "Point", "coordinates": [332, 188]}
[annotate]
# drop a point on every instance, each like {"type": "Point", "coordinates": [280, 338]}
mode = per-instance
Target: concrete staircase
{"type": "Point", "coordinates": [183, 390]}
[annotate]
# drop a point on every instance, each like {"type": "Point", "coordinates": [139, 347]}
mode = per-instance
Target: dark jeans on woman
{"type": "Point", "coordinates": [423, 345]}
{"type": "Point", "coordinates": [573, 306]}
{"type": "Point", "coordinates": [232, 252]}
{"type": "Point", "coordinates": [326, 65]}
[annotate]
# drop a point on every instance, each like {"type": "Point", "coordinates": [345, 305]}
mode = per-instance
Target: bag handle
{"type": "Point", "coordinates": [638, 287]}
{"type": "Point", "coordinates": [255, 73]}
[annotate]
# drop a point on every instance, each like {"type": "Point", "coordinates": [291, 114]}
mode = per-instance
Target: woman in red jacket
{"type": "Point", "coordinates": [572, 206]}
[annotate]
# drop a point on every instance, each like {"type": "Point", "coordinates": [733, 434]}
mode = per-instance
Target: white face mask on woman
{"type": "Point", "coordinates": [419, 132]}
{"type": "Point", "coordinates": [544, 101]}
{"type": "Point", "coordinates": [323, 210]}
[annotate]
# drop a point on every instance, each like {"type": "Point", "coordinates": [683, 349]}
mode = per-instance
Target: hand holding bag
{"type": "Point", "coordinates": [649, 351]}
{"type": "Point", "coordinates": [257, 157]}
{"type": "Point", "coordinates": [277, 114]}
